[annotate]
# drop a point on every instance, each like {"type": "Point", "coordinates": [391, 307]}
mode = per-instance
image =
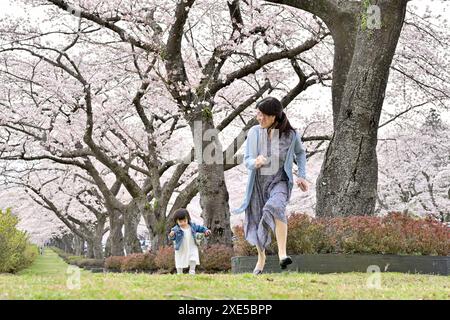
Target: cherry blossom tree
{"type": "Point", "coordinates": [65, 194]}
{"type": "Point", "coordinates": [365, 36]}
{"type": "Point", "coordinates": [415, 169]}
{"type": "Point", "coordinates": [152, 62]}
{"type": "Point", "coordinates": [122, 93]}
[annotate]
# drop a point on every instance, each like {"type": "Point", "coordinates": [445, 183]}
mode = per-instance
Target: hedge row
{"type": "Point", "coordinates": [16, 252]}
{"type": "Point", "coordinates": [395, 233]}
{"type": "Point", "coordinates": [79, 261]}
{"type": "Point", "coordinates": [214, 258]}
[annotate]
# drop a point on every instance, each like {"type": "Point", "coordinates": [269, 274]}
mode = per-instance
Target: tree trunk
{"type": "Point", "coordinates": [211, 179]}
{"type": "Point", "coordinates": [344, 35]}
{"type": "Point", "coordinates": [98, 238]}
{"type": "Point", "coordinates": [78, 244]}
{"type": "Point", "coordinates": [131, 222]}
{"type": "Point", "coordinates": [67, 244]}
{"type": "Point", "coordinates": [156, 222]}
{"type": "Point", "coordinates": [97, 248]}
{"type": "Point", "coordinates": [347, 184]}
{"type": "Point", "coordinates": [115, 239]}
{"type": "Point", "coordinates": [90, 249]}
{"type": "Point", "coordinates": [108, 247]}
{"type": "Point", "coordinates": [158, 241]}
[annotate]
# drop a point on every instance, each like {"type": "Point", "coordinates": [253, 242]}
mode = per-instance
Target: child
{"type": "Point", "coordinates": [186, 250]}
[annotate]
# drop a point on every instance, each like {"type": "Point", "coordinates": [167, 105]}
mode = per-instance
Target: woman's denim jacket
{"type": "Point", "coordinates": [295, 152]}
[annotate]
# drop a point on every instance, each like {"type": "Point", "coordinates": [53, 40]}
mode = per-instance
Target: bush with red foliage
{"type": "Point", "coordinates": [240, 245]}
{"type": "Point", "coordinates": [165, 259]}
{"type": "Point", "coordinates": [139, 262]}
{"type": "Point", "coordinates": [216, 257]}
{"type": "Point", "coordinates": [395, 233]}
{"type": "Point", "coordinates": [306, 235]}
{"type": "Point", "coordinates": [114, 263]}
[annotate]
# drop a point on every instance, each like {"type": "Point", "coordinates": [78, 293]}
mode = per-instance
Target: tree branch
{"type": "Point", "coordinates": [124, 36]}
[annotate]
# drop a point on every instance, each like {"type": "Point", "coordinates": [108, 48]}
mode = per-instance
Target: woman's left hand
{"type": "Point", "coordinates": [207, 232]}
{"type": "Point", "coordinates": [302, 184]}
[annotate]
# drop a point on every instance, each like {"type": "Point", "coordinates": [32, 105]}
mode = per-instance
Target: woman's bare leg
{"type": "Point", "coordinates": [261, 258]}
{"type": "Point", "coordinates": [281, 235]}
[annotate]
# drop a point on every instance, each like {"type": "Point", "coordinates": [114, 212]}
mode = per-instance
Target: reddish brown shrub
{"type": "Point", "coordinates": [396, 233]}
{"type": "Point", "coordinates": [139, 262]}
{"type": "Point", "coordinates": [114, 263]}
{"type": "Point", "coordinates": [240, 245]}
{"type": "Point", "coordinates": [416, 236]}
{"type": "Point", "coordinates": [165, 258]}
{"type": "Point", "coordinates": [216, 257]}
{"type": "Point", "coordinates": [305, 235]}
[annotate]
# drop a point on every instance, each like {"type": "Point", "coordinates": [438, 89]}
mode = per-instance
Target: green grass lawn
{"type": "Point", "coordinates": [49, 277]}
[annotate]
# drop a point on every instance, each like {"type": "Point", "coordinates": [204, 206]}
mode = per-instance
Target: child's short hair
{"type": "Point", "coordinates": [181, 214]}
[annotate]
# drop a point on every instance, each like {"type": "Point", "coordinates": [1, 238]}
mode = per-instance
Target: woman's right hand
{"type": "Point", "coordinates": [171, 234]}
{"type": "Point", "coordinates": [260, 161]}
{"type": "Point", "coordinates": [302, 184]}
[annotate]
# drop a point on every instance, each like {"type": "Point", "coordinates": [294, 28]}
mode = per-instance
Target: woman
{"type": "Point", "coordinates": [274, 142]}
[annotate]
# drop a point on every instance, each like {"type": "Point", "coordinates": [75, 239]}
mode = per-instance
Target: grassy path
{"type": "Point", "coordinates": [49, 278]}
{"type": "Point", "coordinates": [49, 264]}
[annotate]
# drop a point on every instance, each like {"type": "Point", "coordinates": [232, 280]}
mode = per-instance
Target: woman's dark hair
{"type": "Point", "coordinates": [273, 107]}
{"type": "Point", "coordinates": [181, 214]}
